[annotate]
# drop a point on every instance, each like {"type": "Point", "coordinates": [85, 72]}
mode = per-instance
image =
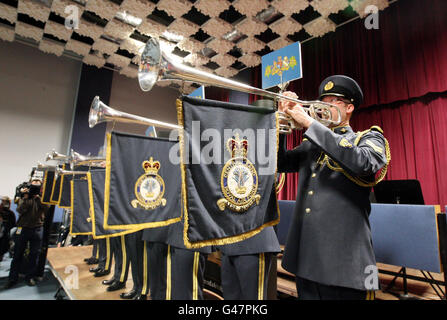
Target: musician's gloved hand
{"type": "Point", "coordinates": [284, 104]}
{"type": "Point", "coordinates": [301, 118]}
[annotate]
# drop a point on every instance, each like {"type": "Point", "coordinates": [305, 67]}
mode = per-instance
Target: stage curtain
{"type": "Point", "coordinates": [215, 93]}
{"type": "Point", "coordinates": [405, 58]}
{"type": "Point", "coordinates": [402, 69]}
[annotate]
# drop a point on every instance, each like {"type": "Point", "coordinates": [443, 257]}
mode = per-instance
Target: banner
{"type": "Point", "coordinates": [96, 182]}
{"type": "Point", "coordinates": [142, 186]}
{"type": "Point", "coordinates": [65, 194]}
{"type": "Point", "coordinates": [80, 220]}
{"type": "Point", "coordinates": [228, 155]}
{"type": "Point", "coordinates": [48, 181]}
{"type": "Point", "coordinates": [282, 65]}
{"type": "Point", "coordinates": [56, 188]}
{"type": "Point", "coordinates": [198, 93]}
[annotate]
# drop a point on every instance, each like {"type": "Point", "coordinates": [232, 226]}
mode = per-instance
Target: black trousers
{"type": "Point", "coordinates": [105, 255]}
{"type": "Point", "coordinates": [310, 290]}
{"type": "Point", "coordinates": [245, 277]}
{"type": "Point", "coordinates": [95, 251]}
{"type": "Point", "coordinates": [138, 264]}
{"type": "Point", "coordinates": [34, 237]}
{"type": "Point", "coordinates": [176, 274]}
{"type": "Point", "coordinates": [121, 262]}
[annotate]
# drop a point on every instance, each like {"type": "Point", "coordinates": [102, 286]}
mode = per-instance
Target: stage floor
{"type": "Point", "coordinates": [67, 264]}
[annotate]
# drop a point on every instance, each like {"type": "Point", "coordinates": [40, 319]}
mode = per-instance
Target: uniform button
{"type": "Point", "coordinates": [311, 193]}
{"type": "Point", "coordinates": [308, 210]}
{"type": "Point", "coordinates": [314, 175]}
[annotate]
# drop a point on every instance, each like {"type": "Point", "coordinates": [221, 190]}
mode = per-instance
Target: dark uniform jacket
{"type": "Point", "coordinates": [329, 240]}
{"type": "Point", "coordinates": [31, 213]}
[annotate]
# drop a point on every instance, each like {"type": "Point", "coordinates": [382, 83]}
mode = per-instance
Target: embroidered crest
{"type": "Point", "coordinates": [345, 143]}
{"type": "Point", "coordinates": [239, 179]}
{"type": "Point", "coordinates": [150, 187]}
{"type": "Point", "coordinates": [328, 86]}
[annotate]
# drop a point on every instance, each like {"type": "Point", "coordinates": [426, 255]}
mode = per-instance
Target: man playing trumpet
{"type": "Point", "coordinates": [329, 246]}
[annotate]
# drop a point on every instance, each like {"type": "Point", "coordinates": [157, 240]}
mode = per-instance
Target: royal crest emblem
{"type": "Point", "coordinates": [239, 179]}
{"type": "Point", "coordinates": [150, 187]}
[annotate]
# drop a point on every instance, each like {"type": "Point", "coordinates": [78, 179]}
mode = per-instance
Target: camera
{"type": "Point", "coordinates": [32, 190]}
{"type": "Point", "coordinates": [19, 194]}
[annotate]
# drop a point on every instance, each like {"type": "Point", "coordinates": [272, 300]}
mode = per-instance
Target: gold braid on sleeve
{"type": "Point", "coordinates": [359, 181]}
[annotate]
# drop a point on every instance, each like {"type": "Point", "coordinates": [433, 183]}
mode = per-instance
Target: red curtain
{"type": "Point", "coordinates": [405, 58]}
{"type": "Point", "coordinates": [417, 134]}
{"type": "Point", "coordinates": [215, 93]}
{"type": "Point", "coordinates": [402, 69]}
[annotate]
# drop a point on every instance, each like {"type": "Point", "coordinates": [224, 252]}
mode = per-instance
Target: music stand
{"type": "Point", "coordinates": [400, 192]}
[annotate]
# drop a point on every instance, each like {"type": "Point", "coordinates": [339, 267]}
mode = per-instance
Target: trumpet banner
{"type": "Point", "coordinates": [232, 197]}
{"type": "Point", "coordinates": [96, 182]}
{"type": "Point", "coordinates": [142, 185]}
{"type": "Point", "coordinates": [80, 220]}
{"type": "Point", "coordinates": [48, 181]}
{"type": "Point", "coordinates": [65, 194]}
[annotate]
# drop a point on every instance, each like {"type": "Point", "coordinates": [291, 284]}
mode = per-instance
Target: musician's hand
{"type": "Point", "coordinates": [283, 104]}
{"type": "Point", "coordinates": [302, 119]}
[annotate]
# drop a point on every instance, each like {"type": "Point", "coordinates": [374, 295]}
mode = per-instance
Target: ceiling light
{"type": "Point", "coordinates": [128, 18]}
{"type": "Point", "coordinates": [172, 36]}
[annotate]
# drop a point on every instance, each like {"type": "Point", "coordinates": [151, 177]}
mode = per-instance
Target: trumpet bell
{"type": "Point", "coordinates": [95, 112]}
{"type": "Point", "coordinates": [150, 65]}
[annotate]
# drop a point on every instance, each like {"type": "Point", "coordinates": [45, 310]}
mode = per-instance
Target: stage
{"type": "Point", "coordinates": [67, 264]}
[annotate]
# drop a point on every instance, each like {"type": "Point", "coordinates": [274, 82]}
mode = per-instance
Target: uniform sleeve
{"type": "Point", "coordinates": [364, 159]}
{"type": "Point", "coordinates": [289, 160]}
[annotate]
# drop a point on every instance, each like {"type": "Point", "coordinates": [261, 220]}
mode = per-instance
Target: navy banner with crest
{"type": "Point", "coordinates": [81, 222]}
{"type": "Point", "coordinates": [229, 154]}
{"type": "Point", "coordinates": [47, 186]}
{"type": "Point", "coordinates": [96, 182]}
{"type": "Point", "coordinates": [142, 185]}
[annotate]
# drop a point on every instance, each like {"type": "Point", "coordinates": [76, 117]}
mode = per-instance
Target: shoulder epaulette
{"type": "Point", "coordinates": [376, 128]}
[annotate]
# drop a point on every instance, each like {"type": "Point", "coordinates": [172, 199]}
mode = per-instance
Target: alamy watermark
{"type": "Point", "coordinates": [72, 280]}
{"type": "Point", "coordinates": [210, 146]}
{"type": "Point", "coordinates": [372, 18]}
{"type": "Point", "coordinates": [372, 278]}
{"type": "Point", "coordinates": [72, 20]}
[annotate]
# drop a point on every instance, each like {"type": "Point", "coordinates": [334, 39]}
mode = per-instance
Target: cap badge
{"type": "Point", "coordinates": [328, 86]}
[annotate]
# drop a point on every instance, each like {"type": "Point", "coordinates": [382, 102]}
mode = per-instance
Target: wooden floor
{"type": "Point", "coordinates": [66, 261]}
{"type": "Point", "coordinates": [417, 289]}
{"type": "Point", "coordinates": [63, 261]}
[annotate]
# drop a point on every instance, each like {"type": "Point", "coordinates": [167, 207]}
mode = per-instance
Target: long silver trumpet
{"type": "Point", "coordinates": [61, 171]}
{"type": "Point", "coordinates": [156, 65]}
{"type": "Point", "coordinates": [54, 155]}
{"type": "Point", "coordinates": [100, 112]}
{"type": "Point", "coordinates": [41, 166]}
{"type": "Point", "coordinates": [80, 159]}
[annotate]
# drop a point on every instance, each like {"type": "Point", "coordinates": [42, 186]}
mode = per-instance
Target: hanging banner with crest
{"type": "Point", "coordinates": [96, 182]}
{"type": "Point", "coordinates": [142, 185]}
{"type": "Point", "coordinates": [228, 162]}
{"type": "Point", "coordinates": [80, 220]}
{"type": "Point", "coordinates": [47, 186]}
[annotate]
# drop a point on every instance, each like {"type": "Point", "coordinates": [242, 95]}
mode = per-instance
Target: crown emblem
{"type": "Point", "coordinates": [151, 166]}
{"type": "Point", "coordinates": [150, 187]}
{"type": "Point", "coordinates": [237, 147]}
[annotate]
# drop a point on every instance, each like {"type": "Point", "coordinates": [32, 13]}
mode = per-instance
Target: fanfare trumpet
{"type": "Point", "coordinates": [100, 112]}
{"type": "Point", "coordinates": [78, 159]}
{"type": "Point", "coordinates": [156, 65]}
{"type": "Point", "coordinates": [54, 155]}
